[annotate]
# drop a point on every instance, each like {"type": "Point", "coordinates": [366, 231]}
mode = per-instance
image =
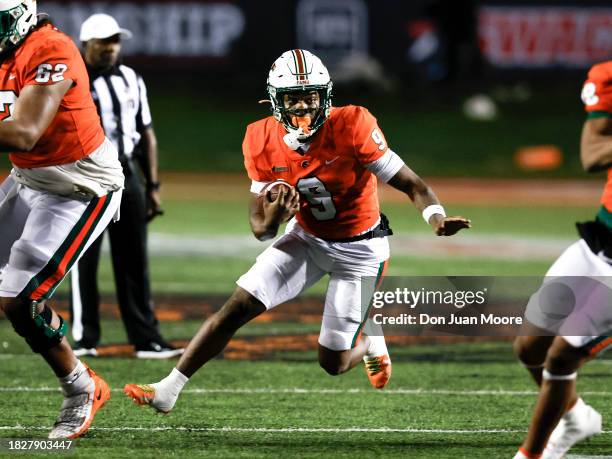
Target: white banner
{"type": "Point", "coordinates": [178, 29]}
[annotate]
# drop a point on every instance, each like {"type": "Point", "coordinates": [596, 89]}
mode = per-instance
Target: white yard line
{"type": "Point", "coordinates": [300, 391]}
{"type": "Point", "coordinates": [571, 456]}
{"type": "Point", "coordinates": [503, 247]}
{"type": "Point", "coordinates": [20, 427]}
{"type": "Point", "coordinates": [278, 430]}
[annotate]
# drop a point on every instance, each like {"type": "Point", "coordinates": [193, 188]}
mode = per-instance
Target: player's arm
{"type": "Point", "coordinates": [596, 144]}
{"type": "Point", "coordinates": [266, 216]}
{"type": "Point", "coordinates": [34, 110]}
{"type": "Point", "coordinates": [375, 155]}
{"type": "Point", "coordinates": [423, 197]}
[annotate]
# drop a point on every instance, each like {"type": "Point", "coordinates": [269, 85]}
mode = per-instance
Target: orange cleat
{"type": "Point", "coordinates": [142, 394]}
{"type": "Point", "coordinates": [378, 370]}
{"type": "Point", "coordinates": [77, 411]}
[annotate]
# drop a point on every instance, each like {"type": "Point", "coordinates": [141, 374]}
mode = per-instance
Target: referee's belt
{"type": "Point", "coordinates": [382, 229]}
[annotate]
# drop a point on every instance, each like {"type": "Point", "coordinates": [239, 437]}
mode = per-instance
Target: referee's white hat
{"type": "Point", "coordinates": [101, 26]}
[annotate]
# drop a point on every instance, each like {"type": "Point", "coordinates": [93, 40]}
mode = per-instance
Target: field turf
{"type": "Point", "coordinates": [444, 401]}
{"type": "Point", "coordinates": [455, 400]}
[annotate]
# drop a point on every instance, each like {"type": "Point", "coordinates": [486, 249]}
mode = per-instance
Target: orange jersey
{"type": "Point", "coordinates": [47, 56]}
{"type": "Point", "coordinates": [597, 98]}
{"type": "Point", "coordinates": [338, 196]}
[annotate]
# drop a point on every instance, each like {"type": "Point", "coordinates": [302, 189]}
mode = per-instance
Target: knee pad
{"type": "Point", "coordinates": [36, 328]}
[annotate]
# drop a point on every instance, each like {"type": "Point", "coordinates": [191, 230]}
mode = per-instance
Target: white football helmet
{"type": "Point", "coordinates": [17, 18]}
{"type": "Point", "coordinates": [294, 71]}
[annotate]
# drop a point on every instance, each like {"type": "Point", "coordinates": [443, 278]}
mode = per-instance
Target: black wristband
{"type": "Point", "coordinates": [153, 186]}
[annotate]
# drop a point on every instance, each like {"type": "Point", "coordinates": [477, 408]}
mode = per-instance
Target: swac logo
{"type": "Point", "coordinates": [7, 105]}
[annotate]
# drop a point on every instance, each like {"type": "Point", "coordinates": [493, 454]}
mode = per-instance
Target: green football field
{"type": "Point", "coordinates": [444, 401]}
{"type": "Point", "coordinates": [267, 397]}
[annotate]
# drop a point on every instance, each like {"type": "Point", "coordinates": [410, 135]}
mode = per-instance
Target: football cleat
{"type": "Point", "coordinates": [378, 370]}
{"type": "Point", "coordinates": [78, 410]}
{"type": "Point", "coordinates": [377, 361]}
{"type": "Point", "coordinates": [143, 394]}
{"type": "Point", "coordinates": [522, 454]}
{"type": "Point", "coordinates": [579, 423]}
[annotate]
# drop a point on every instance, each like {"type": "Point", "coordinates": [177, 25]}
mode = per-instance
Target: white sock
{"type": "Point", "coordinates": [77, 381]}
{"type": "Point", "coordinates": [377, 347]}
{"type": "Point", "coordinates": [168, 390]}
{"type": "Point", "coordinates": [574, 410]}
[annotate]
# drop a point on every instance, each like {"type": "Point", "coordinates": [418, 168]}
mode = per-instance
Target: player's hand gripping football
{"type": "Point", "coordinates": [447, 226]}
{"type": "Point", "coordinates": [280, 207]}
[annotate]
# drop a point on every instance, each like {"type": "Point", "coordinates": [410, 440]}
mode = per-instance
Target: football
{"type": "Point", "coordinates": [272, 190]}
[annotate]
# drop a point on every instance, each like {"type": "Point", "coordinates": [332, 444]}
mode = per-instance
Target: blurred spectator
{"type": "Point", "coordinates": [445, 40]}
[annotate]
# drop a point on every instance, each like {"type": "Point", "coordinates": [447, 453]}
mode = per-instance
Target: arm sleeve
{"type": "Point", "coordinates": [50, 64]}
{"type": "Point", "coordinates": [256, 171]}
{"type": "Point", "coordinates": [368, 140]}
{"type": "Point", "coordinates": [143, 117]}
{"type": "Point", "coordinates": [386, 166]}
{"type": "Point", "coordinates": [597, 91]}
{"type": "Point", "coordinates": [257, 187]}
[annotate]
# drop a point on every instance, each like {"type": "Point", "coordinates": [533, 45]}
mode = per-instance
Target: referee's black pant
{"type": "Point", "coordinates": [128, 244]}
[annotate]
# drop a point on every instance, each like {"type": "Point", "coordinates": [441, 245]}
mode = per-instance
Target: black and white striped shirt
{"type": "Point", "coordinates": [120, 96]}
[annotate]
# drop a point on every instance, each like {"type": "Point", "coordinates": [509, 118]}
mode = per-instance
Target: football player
{"type": "Point", "coordinates": [332, 158]}
{"type": "Point", "coordinates": [65, 187]}
{"type": "Point", "coordinates": [561, 418]}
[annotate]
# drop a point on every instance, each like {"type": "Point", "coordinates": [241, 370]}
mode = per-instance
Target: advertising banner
{"type": "Point", "coordinates": [545, 37]}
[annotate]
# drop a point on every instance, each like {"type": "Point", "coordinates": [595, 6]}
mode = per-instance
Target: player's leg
{"type": "Point", "coordinates": [560, 418]}
{"type": "Point", "coordinates": [218, 329]}
{"type": "Point", "coordinates": [537, 334]}
{"type": "Point", "coordinates": [556, 392]}
{"type": "Point", "coordinates": [43, 329]}
{"type": "Point", "coordinates": [280, 273]}
{"type": "Point", "coordinates": [212, 337]}
{"type": "Point", "coordinates": [548, 307]}
{"type": "Point", "coordinates": [55, 233]}
{"type": "Point", "coordinates": [580, 421]}
{"type": "Point", "coordinates": [342, 343]}
{"type": "Point", "coordinates": [531, 350]}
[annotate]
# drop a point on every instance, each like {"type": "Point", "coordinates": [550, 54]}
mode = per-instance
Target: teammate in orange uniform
{"type": "Point", "coordinates": [561, 418]}
{"type": "Point", "coordinates": [65, 187]}
{"type": "Point", "coordinates": [332, 158]}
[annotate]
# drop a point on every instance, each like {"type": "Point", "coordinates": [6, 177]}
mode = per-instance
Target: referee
{"type": "Point", "coordinates": [121, 99]}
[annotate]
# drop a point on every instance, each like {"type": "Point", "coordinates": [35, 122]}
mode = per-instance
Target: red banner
{"type": "Point", "coordinates": [540, 37]}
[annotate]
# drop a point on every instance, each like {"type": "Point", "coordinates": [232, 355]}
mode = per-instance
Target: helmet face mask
{"type": "Point", "coordinates": [17, 18]}
{"type": "Point", "coordinates": [299, 73]}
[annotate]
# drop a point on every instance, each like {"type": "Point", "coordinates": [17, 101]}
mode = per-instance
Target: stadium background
{"type": "Point", "coordinates": [480, 98]}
